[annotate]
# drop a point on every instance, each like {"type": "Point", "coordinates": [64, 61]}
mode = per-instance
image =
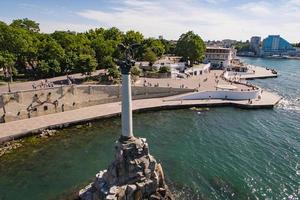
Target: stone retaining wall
{"type": "Point", "coordinates": [31, 103]}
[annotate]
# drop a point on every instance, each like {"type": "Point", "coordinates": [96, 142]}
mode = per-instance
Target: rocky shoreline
{"type": "Point", "coordinates": [133, 175]}
{"type": "Point", "coordinates": [10, 146]}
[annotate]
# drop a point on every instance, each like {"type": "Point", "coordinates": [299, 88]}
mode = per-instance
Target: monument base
{"type": "Point", "coordinates": [133, 175]}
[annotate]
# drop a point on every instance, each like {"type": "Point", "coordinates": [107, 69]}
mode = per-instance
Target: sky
{"type": "Point", "coordinates": [211, 19]}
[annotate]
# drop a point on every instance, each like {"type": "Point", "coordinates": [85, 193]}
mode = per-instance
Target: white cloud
{"type": "Point", "coordinates": [170, 19]}
{"type": "Point", "coordinates": [51, 26]}
{"type": "Point", "coordinates": [256, 9]}
{"type": "Point", "coordinates": [208, 18]}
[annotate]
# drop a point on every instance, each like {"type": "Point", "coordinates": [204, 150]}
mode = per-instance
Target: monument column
{"type": "Point", "coordinates": [126, 101]}
{"type": "Point", "coordinates": [134, 173]}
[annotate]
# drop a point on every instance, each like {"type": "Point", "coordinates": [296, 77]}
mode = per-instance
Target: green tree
{"type": "Point", "coordinates": [7, 63]}
{"type": "Point", "coordinates": [49, 49]}
{"type": "Point", "coordinates": [135, 71]}
{"type": "Point", "coordinates": [242, 46]}
{"type": "Point", "coordinates": [156, 46]}
{"type": "Point", "coordinates": [68, 62]}
{"type": "Point", "coordinates": [133, 37]}
{"type": "Point", "coordinates": [149, 56]}
{"type": "Point", "coordinates": [169, 46]}
{"type": "Point", "coordinates": [104, 50]}
{"type": "Point", "coordinates": [26, 24]}
{"type": "Point", "coordinates": [87, 64]}
{"type": "Point", "coordinates": [191, 47]}
{"type": "Point", "coordinates": [164, 69]}
{"type": "Point", "coordinates": [114, 72]}
{"type": "Point", "coordinates": [113, 34]}
{"type": "Point", "coordinates": [54, 67]}
{"type": "Point", "coordinates": [42, 69]}
{"type": "Point", "coordinates": [108, 62]}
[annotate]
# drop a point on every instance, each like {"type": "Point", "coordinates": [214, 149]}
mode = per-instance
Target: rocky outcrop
{"type": "Point", "coordinates": [133, 175]}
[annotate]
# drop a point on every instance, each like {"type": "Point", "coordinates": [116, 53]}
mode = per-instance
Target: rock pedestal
{"type": "Point", "coordinates": [133, 175]}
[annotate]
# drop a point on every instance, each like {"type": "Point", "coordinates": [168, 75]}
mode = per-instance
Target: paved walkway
{"type": "Point", "coordinates": [17, 86]}
{"type": "Point", "coordinates": [206, 81]}
{"type": "Point", "coordinates": [260, 72]}
{"type": "Point", "coordinates": [19, 128]}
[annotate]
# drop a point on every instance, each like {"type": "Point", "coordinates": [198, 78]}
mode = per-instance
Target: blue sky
{"type": "Point", "coordinates": [211, 19]}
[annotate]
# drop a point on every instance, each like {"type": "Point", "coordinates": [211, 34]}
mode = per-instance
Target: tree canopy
{"type": "Point", "coordinates": [25, 50]}
{"type": "Point", "coordinates": [191, 47]}
{"type": "Point", "coordinates": [242, 46]}
{"type": "Point", "coordinates": [26, 24]}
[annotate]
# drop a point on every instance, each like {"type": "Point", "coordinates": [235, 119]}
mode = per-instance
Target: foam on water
{"type": "Point", "coordinates": [290, 105]}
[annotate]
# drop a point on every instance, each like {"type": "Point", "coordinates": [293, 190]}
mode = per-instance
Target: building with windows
{"type": "Point", "coordinates": [255, 45]}
{"type": "Point", "coordinates": [276, 45]}
{"type": "Point", "coordinates": [219, 57]}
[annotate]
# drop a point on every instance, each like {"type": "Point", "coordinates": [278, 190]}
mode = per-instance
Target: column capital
{"type": "Point", "coordinates": [126, 66]}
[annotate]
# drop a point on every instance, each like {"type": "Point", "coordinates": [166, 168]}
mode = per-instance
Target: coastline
{"type": "Point", "coordinates": [270, 57]}
{"type": "Point", "coordinates": [22, 128]}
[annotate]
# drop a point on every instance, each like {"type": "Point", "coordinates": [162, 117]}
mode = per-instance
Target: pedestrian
{"type": "Point", "coordinates": [33, 86]}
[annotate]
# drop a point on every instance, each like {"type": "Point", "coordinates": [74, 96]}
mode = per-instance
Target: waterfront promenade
{"type": "Point", "coordinates": [255, 72]}
{"type": "Point", "coordinates": [20, 86]}
{"type": "Point", "coordinates": [21, 128]}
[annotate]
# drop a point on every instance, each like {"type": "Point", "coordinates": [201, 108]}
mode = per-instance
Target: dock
{"type": "Point", "coordinates": [260, 73]}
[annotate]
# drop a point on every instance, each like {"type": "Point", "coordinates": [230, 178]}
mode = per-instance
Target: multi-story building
{"type": "Point", "coordinates": [219, 57]}
{"type": "Point", "coordinates": [255, 45]}
{"type": "Point", "coordinates": [276, 45]}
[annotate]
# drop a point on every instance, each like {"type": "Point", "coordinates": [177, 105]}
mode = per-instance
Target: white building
{"type": "Point", "coordinates": [170, 61]}
{"type": "Point", "coordinates": [219, 57]}
{"type": "Point", "coordinates": [199, 69]}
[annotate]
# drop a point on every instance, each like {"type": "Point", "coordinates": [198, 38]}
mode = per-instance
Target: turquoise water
{"type": "Point", "coordinates": [223, 153]}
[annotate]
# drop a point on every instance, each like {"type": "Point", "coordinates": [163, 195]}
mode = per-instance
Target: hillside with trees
{"type": "Point", "coordinates": [242, 46]}
{"type": "Point", "coordinates": [26, 51]}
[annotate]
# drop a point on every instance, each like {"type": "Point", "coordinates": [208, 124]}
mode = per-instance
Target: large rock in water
{"type": "Point", "coordinates": [133, 175]}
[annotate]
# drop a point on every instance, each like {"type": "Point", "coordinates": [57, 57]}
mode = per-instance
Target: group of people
{"type": "Point", "coordinates": [43, 84]}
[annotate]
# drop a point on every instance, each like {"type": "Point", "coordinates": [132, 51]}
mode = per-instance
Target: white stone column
{"type": "Point", "coordinates": [126, 106]}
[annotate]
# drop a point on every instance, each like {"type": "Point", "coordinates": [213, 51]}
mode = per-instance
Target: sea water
{"type": "Point", "coordinates": [221, 153]}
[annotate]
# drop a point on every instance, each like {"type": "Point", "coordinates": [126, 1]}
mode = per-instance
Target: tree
{"type": "Point", "coordinates": [114, 72]}
{"type": "Point", "coordinates": [169, 46]}
{"type": "Point", "coordinates": [104, 50]}
{"type": "Point", "coordinates": [68, 62]}
{"type": "Point", "coordinates": [156, 46]}
{"type": "Point", "coordinates": [242, 46]}
{"type": "Point", "coordinates": [7, 63]}
{"type": "Point", "coordinates": [87, 64]}
{"type": "Point", "coordinates": [26, 24]}
{"type": "Point", "coordinates": [149, 56]}
{"type": "Point", "coordinates": [113, 34]}
{"type": "Point", "coordinates": [49, 49]}
{"type": "Point", "coordinates": [133, 37]}
{"type": "Point", "coordinates": [135, 71]}
{"type": "Point", "coordinates": [42, 68]}
{"type": "Point", "coordinates": [108, 62]}
{"type": "Point", "coordinates": [191, 47]}
{"type": "Point", "coordinates": [164, 69]}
